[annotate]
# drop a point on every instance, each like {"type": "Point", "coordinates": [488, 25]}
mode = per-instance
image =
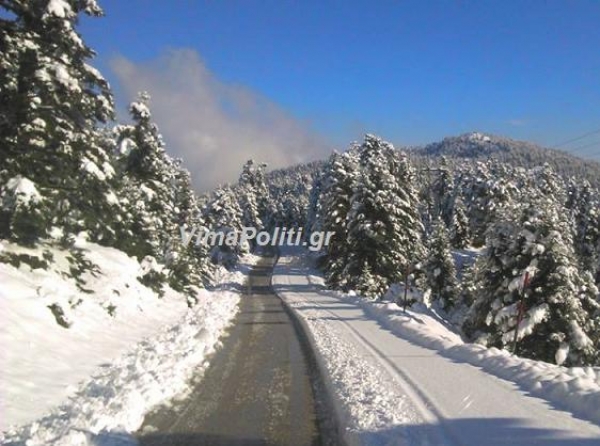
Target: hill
{"type": "Point", "coordinates": [478, 146]}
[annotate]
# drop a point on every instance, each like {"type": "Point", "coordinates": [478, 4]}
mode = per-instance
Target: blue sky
{"type": "Point", "coordinates": [411, 71]}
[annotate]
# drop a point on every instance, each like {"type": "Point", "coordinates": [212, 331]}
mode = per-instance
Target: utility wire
{"type": "Point", "coordinates": [585, 146]}
{"type": "Point", "coordinates": [585, 135]}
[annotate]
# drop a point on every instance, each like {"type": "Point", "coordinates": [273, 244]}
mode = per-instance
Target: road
{"type": "Point", "coordinates": [458, 404]}
{"type": "Point", "coordinates": [259, 388]}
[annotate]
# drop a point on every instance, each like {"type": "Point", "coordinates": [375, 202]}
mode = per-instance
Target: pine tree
{"type": "Point", "coordinates": [442, 190]}
{"type": "Point", "coordinates": [426, 199]}
{"type": "Point", "coordinates": [459, 226]}
{"type": "Point", "coordinates": [338, 183]}
{"type": "Point", "coordinates": [315, 212]}
{"type": "Point", "coordinates": [586, 215]}
{"type": "Point", "coordinates": [545, 180]}
{"type": "Point", "coordinates": [223, 214]}
{"type": "Point", "coordinates": [188, 265]}
{"type": "Point", "coordinates": [488, 190]}
{"type": "Point", "coordinates": [148, 177]}
{"type": "Point", "coordinates": [440, 269]}
{"type": "Point", "coordinates": [157, 202]}
{"type": "Point", "coordinates": [561, 312]}
{"type": "Point", "coordinates": [58, 164]}
{"type": "Point", "coordinates": [253, 194]}
{"type": "Point", "coordinates": [384, 229]}
{"type": "Point", "coordinates": [50, 103]}
{"type": "Point", "coordinates": [295, 210]}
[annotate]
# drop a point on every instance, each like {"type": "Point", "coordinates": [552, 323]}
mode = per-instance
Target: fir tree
{"type": "Point", "coordinates": [314, 215]}
{"type": "Point", "coordinates": [459, 226]}
{"type": "Point", "coordinates": [384, 229]}
{"type": "Point", "coordinates": [50, 103]}
{"type": "Point", "coordinates": [586, 216]}
{"type": "Point", "coordinates": [488, 191]}
{"type": "Point", "coordinates": [189, 264]}
{"type": "Point", "coordinates": [158, 202]}
{"type": "Point", "coordinates": [561, 311]}
{"type": "Point", "coordinates": [338, 183]}
{"type": "Point", "coordinates": [440, 269]}
{"type": "Point", "coordinates": [252, 194]}
{"type": "Point", "coordinates": [426, 199]}
{"type": "Point", "coordinates": [442, 190]}
{"type": "Point", "coordinates": [148, 178]}
{"type": "Point", "coordinates": [223, 214]}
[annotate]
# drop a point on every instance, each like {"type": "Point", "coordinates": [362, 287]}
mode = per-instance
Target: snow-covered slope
{"type": "Point", "coordinates": [407, 378]}
{"type": "Point", "coordinates": [125, 351]}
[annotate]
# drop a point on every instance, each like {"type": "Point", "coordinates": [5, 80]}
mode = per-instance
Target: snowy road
{"type": "Point", "coordinates": [257, 389]}
{"type": "Point", "coordinates": [446, 402]}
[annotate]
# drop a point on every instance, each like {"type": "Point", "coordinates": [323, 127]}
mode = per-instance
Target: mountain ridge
{"type": "Point", "coordinates": [478, 146]}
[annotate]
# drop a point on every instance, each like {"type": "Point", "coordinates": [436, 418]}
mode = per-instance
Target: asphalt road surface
{"type": "Point", "coordinates": [260, 386]}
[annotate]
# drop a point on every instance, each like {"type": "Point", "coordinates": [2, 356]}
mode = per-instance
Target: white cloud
{"type": "Point", "coordinates": [518, 122]}
{"type": "Point", "coordinates": [214, 126]}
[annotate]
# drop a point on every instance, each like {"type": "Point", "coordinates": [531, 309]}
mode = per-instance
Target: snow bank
{"type": "Point", "coordinates": [576, 390]}
{"type": "Point", "coordinates": [126, 349]}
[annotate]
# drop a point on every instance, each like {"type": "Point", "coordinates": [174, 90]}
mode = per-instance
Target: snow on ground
{"type": "Point", "coordinates": [369, 410]}
{"type": "Point", "coordinates": [126, 349]}
{"type": "Point", "coordinates": [576, 389]}
{"type": "Point", "coordinates": [408, 377]}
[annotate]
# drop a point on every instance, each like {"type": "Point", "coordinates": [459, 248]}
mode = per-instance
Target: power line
{"type": "Point", "coordinates": [585, 135]}
{"type": "Point", "coordinates": [595, 156]}
{"type": "Point", "coordinates": [584, 146]}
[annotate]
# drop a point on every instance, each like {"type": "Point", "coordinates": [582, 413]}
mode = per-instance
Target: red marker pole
{"type": "Point", "coordinates": [521, 311]}
{"type": "Point", "coordinates": [406, 288]}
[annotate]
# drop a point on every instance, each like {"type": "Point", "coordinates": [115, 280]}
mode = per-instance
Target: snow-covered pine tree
{"type": "Point", "coordinates": [292, 210]}
{"type": "Point", "coordinates": [459, 225]}
{"type": "Point", "coordinates": [487, 188]}
{"type": "Point", "coordinates": [442, 190]}
{"type": "Point", "coordinates": [253, 194]}
{"type": "Point", "coordinates": [586, 216]}
{"type": "Point", "coordinates": [147, 187]}
{"type": "Point", "coordinates": [289, 191]}
{"type": "Point", "coordinates": [439, 267]}
{"type": "Point", "coordinates": [469, 285]}
{"type": "Point", "coordinates": [475, 182]}
{"type": "Point", "coordinates": [384, 228]}
{"type": "Point", "coordinates": [271, 217]}
{"type": "Point", "coordinates": [50, 103]}
{"type": "Point", "coordinates": [189, 265]}
{"type": "Point", "coordinates": [338, 182]}
{"type": "Point", "coordinates": [561, 320]}
{"type": "Point", "coordinates": [545, 180]}
{"type": "Point", "coordinates": [157, 199]}
{"type": "Point", "coordinates": [23, 211]}
{"type": "Point", "coordinates": [314, 213]}
{"type": "Point", "coordinates": [288, 198]}
{"type": "Point", "coordinates": [425, 198]}
{"type": "Point", "coordinates": [223, 214]}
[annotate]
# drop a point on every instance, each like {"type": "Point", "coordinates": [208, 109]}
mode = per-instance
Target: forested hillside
{"type": "Point", "coordinates": [480, 147]}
